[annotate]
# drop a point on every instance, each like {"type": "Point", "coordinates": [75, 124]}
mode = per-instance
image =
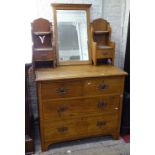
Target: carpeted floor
{"type": "Point", "coordinates": [89, 146]}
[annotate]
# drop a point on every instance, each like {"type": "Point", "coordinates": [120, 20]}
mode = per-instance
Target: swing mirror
{"type": "Point", "coordinates": [72, 33]}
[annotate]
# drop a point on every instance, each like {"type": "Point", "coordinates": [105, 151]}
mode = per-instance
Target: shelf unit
{"type": "Point", "coordinates": [102, 46]}
{"type": "Point", "coordinates": [101, 32]}
{"type": "Point", "coordinates": [43, 48]}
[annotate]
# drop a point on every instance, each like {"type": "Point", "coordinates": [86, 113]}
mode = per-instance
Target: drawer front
{"type": "Point", "coordinates": [53, 90]}
{"type": "Point", "coordinates": [106, 53]}
{"type": "Point", "coordinates": [78, 128]}
{"type": "Point", "coordinates": [100, 86]}
{"type": "Point", "coordinates": [43, 55]}
{"type": "Point", "coordinates": [66, 109]}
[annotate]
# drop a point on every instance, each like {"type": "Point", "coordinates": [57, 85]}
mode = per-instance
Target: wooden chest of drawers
{"type": "Point", "coordinates": [79, 101]}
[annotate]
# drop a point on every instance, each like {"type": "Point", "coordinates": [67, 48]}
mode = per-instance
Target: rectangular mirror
{"type": "Point", "coordinates": [72, 33]}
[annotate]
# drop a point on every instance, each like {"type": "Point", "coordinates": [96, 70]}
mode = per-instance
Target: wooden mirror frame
{"type": "Point", "coordinates": [62, 6]}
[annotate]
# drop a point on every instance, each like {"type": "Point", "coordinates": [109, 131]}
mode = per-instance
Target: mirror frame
{"type": "Point", "coordinates": [62, 6]}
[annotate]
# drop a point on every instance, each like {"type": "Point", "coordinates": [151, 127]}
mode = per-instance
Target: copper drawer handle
{"type": "Point", "coordinates": [62, 90]}
{"type": "Point", "coordinates": [102, 86]}
{"type": "Point", "coordinates": [62, 129]}
{"type": "Point", "coordinates": [62, 109]}
{"type": "Point", "coordinates": [102, 104]}
{"type": "Point", "coordinates": [100, 123]}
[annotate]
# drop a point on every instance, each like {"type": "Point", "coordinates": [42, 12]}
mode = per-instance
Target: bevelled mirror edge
{"type": "Point", "coordinates": [61, 6]}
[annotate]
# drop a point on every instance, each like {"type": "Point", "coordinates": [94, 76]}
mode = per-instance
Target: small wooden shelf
{"type": "Point", "coordinates": [104, 47]}
{"type": "Point", "coordinates": [43, 49]}
{"type": "Point", "coordinates": [42, 33]}
{"type": "Point", "coordinates": [101, 32]}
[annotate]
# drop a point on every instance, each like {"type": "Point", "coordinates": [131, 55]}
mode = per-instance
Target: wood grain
{"type": "Point", "coordinates": [86, 96]}
{"type": "Point", "coordinates": [100, 86]}
{"type": "Point", "coordinates": [106, 53]}
{"type": "Point", "coordinates": [73, 108]}
{"type": "Point", "coordinates": [76, 72]}
{"type": "Point", "coordinates": [78, 128]}
{"type": "Point", "coordinates": [52, 90]}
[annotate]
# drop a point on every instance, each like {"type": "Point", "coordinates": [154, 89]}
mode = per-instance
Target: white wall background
{"type": "Point", "coordinates": [117, 14]}
{"type": "Point", "coordinates": [115, 11]}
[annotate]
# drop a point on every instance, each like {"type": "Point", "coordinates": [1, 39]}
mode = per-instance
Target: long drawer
{"type": "Point", "coordinates": [78, 128]}
{"type": "Point", "coordinates": [53, 90]}
{"type": "Point", "coordinates": [65, 109]}
{"type": "Point", "coordinates": [99, 86]}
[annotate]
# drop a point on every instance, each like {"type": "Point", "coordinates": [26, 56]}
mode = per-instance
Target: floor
{"type": "Point", "coordinates": [89, 146]}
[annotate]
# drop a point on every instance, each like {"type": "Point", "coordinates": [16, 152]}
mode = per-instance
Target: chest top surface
{"type": "Point", "coordinates": [80, 71]}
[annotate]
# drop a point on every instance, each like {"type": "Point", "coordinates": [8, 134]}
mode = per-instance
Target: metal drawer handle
{"type": "Point", "coordinates": [62, 129]}
{"type": "Point", "coordinates": [100, 123]}
{"type": "Point", "coordinates": [62, 109]}
{"type": "Point", "coordinates": [62, 90]}
{"type": "Point", "coordinates": [102, 104]}
{"type": "Point", "coordinates": [102, 86]}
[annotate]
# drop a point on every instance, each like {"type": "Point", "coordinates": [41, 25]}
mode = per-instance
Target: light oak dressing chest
{"type": "Point", "coordinates": [79, 101]}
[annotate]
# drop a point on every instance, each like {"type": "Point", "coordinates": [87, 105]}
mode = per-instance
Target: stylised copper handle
{"type": "Point", "coordinates": [102, 86]}
{"type": "Point", "coordinates": [62, 90]}
{"type": "Point", "coordinates": [102, 104]}
{"type": "Point", "coordinates": [62, 109]}
{"type": "Point", "coordinates": [100, 123]}
{"type": "Point", "coordinates": [62, 129]}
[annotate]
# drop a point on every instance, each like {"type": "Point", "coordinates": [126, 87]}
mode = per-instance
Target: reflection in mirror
{"type": "Point", "coordinates": [72, 35]}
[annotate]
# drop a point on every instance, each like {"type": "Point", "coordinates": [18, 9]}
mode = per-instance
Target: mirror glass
{"type": "Point", "coordinates": [72, 35]}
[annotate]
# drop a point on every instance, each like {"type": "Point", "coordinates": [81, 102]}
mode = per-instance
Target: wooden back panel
{"type": "Point", "coordinates": [41, 25]}
{"type": "Point", "coordinates": [101, 25]}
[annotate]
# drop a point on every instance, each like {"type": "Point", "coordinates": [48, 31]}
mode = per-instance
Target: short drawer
{"type": "Point", "coordinates": [106, 53]}
{"type": "Point", "coordinates": [53, 90]}
{"type": "Point", "coordinates": [101, 86]}
{"type": "Point", "coordinates": [66, 109]}
{"type": "Point", "coordinates": [78, 128]}
{"type": "Point", "coordinates": [43, 55]}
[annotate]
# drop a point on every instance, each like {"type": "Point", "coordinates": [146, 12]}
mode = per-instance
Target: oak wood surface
{"type": "Point", "coordinates": [83, 95]}
{"type": "Point", "coordinates": [68, 6]}
{"type": "Point", "coordinates": [44, 55]}
{"type": "Point", "coordinates": [106, 85]}
{"type": "Point", "coordinates": [73, 108]}
{"type": "Point", "coordinates": [80, 127]}
{"type": "Point", "coordinates": [79, 71]}
{"type": "Point", "coordinates": [106, 53]}
{"type": "Point", "coordinates": [52, 90]}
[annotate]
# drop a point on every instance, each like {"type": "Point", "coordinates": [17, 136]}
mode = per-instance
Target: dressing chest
{"type": "Point", "coordinates": [79, 101]}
